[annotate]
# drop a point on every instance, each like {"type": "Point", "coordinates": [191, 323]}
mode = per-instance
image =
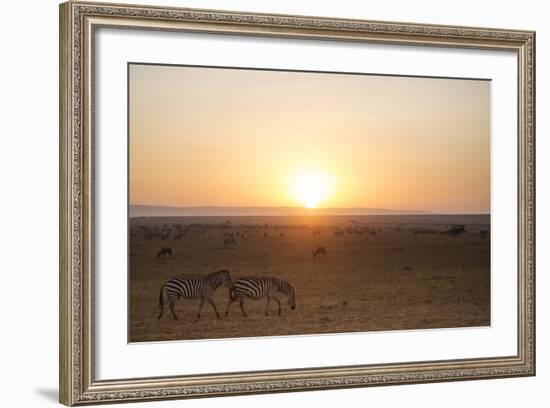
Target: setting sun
{"type": "Point", "coordinates": [310, 188]}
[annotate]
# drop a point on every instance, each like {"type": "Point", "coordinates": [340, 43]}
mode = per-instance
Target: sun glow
{"type": "Point", "coordinates": [310, 187]}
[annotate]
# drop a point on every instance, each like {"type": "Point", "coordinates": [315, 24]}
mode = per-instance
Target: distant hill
{"type": "Point", "coordinates": [163, 211]}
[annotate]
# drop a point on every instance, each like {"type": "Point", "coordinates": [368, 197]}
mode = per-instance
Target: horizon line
{"type": "Point", "coordinates": [379, 210]}
{"type": "Point", "coordinates": [261, 206]}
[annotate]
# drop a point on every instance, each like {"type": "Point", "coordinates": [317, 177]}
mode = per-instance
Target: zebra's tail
{"type": "Point", "coordinates": [161, 302]}
{"type": "Point", "coordinates": [232, 294]}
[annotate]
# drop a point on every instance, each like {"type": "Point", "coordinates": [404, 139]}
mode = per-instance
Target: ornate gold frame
{"type": "Point", "coordinates": [78, 22]}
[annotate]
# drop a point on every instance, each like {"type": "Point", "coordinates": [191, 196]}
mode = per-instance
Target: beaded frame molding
{"type": "Point", "coordinates": [78, 22]}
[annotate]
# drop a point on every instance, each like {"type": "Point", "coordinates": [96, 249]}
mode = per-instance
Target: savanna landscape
{"type": "Point", "coordinates": [354, 202]}
{"type": "Point", "coordinates": [380, 272]}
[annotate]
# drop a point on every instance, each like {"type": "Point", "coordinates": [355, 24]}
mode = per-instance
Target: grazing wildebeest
{"type": "Point", "coordinates": [164, 251]}
{"type": "Point", "coordinates": [192, 287]}
{"type": "Point", "coordinates": [417, 231]}
{"type": "Point", "coordinates": [259, 287]}
{"type": "Point", "coordinates": [319, 251]}
{"type": "Point", "coordinates": [454, 231]}
{"type": "Point", "coordinates": [229, 243]}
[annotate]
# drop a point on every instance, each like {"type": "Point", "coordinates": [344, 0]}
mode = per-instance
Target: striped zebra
{"type": "Point", "coordinates": [260, 287]}
{"type": "Point", "coordinates": [192, 287]}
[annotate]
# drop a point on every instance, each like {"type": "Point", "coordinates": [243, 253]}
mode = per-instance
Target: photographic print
{"type": "Point", "coordinates": [276, 202]}
{"type": "Point", "coordinates": [323, 190]}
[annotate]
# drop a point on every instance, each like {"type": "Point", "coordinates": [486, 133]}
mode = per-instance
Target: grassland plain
{"type": "Point", "coordinates": [380, 273]}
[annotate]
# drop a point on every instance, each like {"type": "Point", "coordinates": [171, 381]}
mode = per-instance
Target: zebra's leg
{"type": "Point", "coordinates": [213, 306]}
{"type": "Point", "coordinates": [161, 306]}
{"type": "Point", "coordinates": [241, 305]}
{"type": "Point", "coordinates": [228, 305]}
{"type": "Point", "coordinates": [278, 303]}
{"type": "Point", "coordinates": [200, 308]}
{"type": "Point", "coordinates": [161, 302]}
{"type": "Point", "coordinates": [171, 304]}
{"type": "Point", "coordinates": [267, 305]}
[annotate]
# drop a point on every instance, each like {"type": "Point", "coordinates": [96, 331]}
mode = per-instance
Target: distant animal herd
{"type": "Point", "coordinates": [230, 239]}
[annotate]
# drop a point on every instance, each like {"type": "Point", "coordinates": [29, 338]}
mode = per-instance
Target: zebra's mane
{"type": "Point", "coordinates": [216, 278]}
{"type": "Point", "coordinates": [284, 286]}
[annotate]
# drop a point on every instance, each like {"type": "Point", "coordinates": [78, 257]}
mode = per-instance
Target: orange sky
{"type": "Point", "coordinates": [230, 137]}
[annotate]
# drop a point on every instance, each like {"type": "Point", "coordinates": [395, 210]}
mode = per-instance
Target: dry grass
{"type": "Point", "coordinates": [392, 280]}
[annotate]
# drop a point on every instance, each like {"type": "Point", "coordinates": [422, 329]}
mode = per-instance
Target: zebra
{"type": "Point", "coordinates": [260, 287]}
{"type": "Point", "coordinates": [192, 287]}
